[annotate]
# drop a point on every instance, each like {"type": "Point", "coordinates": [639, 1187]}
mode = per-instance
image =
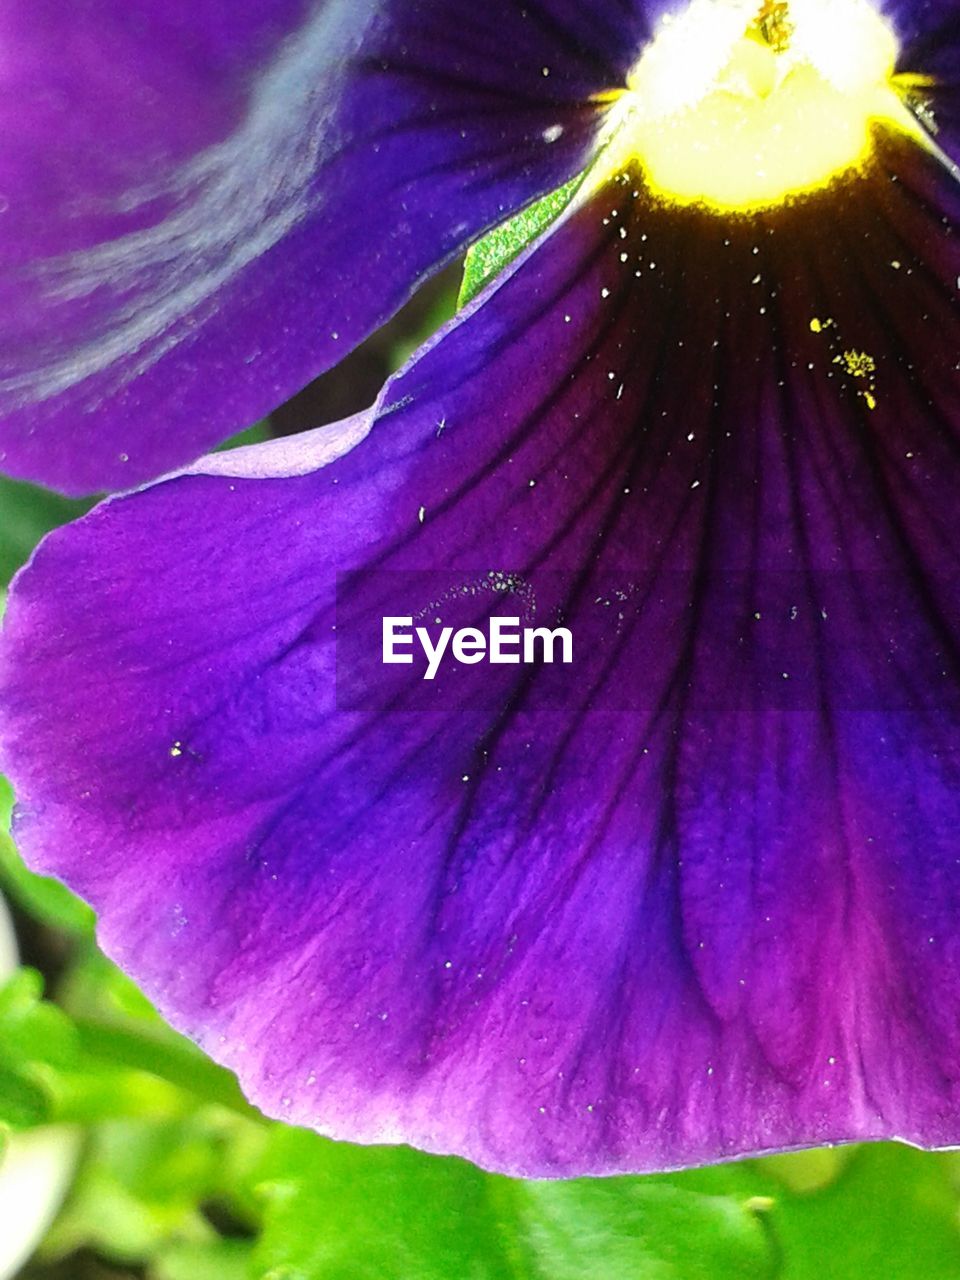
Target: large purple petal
{"type": "Point", "coordinates": [204, 205]}
{"type": "Point", "coordinates": [696, 894]}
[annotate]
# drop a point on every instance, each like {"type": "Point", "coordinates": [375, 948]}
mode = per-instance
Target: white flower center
{"type": "Point", "coordinates": [738, 105]}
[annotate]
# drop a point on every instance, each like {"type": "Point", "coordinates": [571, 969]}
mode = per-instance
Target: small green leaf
{"type": "Point", "coordinates": [498, 248]}
{"type": "Point", "coordinates": [46, 1053]}
{"type": "Point", "coordinates": [31, 1028]}
{"type": "Point", "coordinates": [35, 1038]}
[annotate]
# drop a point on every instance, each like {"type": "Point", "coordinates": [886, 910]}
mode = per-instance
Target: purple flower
{"type": "Point", "coordinates": [697, 892]}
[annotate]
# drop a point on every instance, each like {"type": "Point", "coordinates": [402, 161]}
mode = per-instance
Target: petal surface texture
{"type": "Point", "coordinates": [205, 205]}
{"type": "Point", "coordinates": [694, 895]}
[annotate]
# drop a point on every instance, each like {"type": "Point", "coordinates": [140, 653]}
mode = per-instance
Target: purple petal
{"type": "Point", "coordinates": [206, 205]}
{"type": "Point", "coordinates": [694, 895]}
{"type": "Point", "coordinates": [929, 32]}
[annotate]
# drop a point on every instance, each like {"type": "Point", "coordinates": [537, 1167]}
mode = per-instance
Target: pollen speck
{"type": "Point", "coordinates": [861, 366]}
{"type": "Point", "coordinates": [857, 363]}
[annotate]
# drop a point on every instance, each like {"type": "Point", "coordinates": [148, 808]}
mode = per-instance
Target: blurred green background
{"type": "Point", "coordinates": [150, 1163]}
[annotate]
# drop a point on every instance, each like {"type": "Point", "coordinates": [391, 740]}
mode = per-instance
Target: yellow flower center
{"type": "Point", "coordinates": [738, 106]}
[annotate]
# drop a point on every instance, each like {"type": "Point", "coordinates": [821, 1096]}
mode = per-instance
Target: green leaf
{"type": "Point", "coordinates": [43, 1050]}
{"type": "Point", "coordinates": [888, 1211]}
{"type": "Point", "coordinates": [335, 1212]}
{"type": "Point", "coordinates": [31, 1028]}
{"type": "Point", "coordinates": [498, 248]}
{"type": "Point", "coordinates": [168, 1134]}
{"type": "Point", "coordinates": [34, 1036]}
{"type": "Point", "coordinates": [340, 1212]}
{"type": "Point", "coordinates": [642, 1228]}
{"type": "Point", "coordinates": [892, 1213]}
{"type": "Point", "coordinates": [97, 1060]}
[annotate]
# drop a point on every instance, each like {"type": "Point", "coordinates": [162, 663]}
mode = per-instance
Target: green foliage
{"type": "Point", "coordinates": [893, 1214]}
{"type": "Point", "coordinates": [142, 1194]}
{"type": "Point", "coordinates": [644, 1228]}
{"type": "Point", "coordinates": [498, 248]}
{"type": "Point", "coordinates": [99, 1053]}
{"type": "Point", "coordinates": [335, 1212]}
{"type": "Point", "coordinates": [167, 1133]}
{"type": "Point", "coordinates": [36, 1039]}
{"type": "Point", "coordinates": [375, 1213]}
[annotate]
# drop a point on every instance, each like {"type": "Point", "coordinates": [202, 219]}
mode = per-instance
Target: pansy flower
{"type": "Point", "coordinates": [695, 893]}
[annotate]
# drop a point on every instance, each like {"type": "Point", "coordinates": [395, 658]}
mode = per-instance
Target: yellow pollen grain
{"type": "Point", "coordinates": [857, 363]}
{"type": "Point", "coordinates": [773, 25]}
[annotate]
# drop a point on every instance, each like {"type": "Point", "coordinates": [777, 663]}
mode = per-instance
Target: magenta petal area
{"type": "Point", "coordinates": [204, 205]}
{"type": "Point", "coordinates": [694, 895]}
